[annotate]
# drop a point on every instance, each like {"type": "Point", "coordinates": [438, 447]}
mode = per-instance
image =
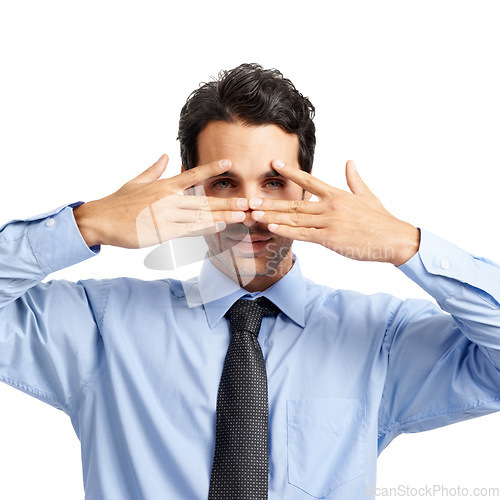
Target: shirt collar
{"type": "Point", "coordinates": [218, 292]}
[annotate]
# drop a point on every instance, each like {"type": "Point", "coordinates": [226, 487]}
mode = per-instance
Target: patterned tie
{"type": "Point", "coordinates": [240, 466]}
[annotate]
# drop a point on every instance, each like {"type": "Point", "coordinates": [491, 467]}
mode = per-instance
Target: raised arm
{"type": "Point", "coordinates": [50, 345]}
{"type": "Point", "coordinates": [49, 339]}
{"type": "Point", "coordinates": [443, 363]}
{"type": "Point", "coordinates": [443, 368]}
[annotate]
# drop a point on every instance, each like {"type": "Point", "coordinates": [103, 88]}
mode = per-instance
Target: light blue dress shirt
{"type": "Point", "coordinates": [136, 364]}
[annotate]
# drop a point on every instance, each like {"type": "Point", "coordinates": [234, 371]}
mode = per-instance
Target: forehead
{"type": "Point", "coordinates": [245, 145]}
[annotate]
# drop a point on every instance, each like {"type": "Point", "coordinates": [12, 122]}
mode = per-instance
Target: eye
{"type": "Point", "coordinates": [274, 184]}
{"type": "Point", "coordinates": [221, 184]}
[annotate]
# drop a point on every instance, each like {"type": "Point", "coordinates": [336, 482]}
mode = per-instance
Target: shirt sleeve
{"type": "Point", "coordinates": [443, 362]}
{"type": "Point", "coordinates": [49, 338]}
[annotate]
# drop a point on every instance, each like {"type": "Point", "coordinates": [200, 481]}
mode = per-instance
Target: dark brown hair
{"type": "Point", "coordinates": [255, 96]}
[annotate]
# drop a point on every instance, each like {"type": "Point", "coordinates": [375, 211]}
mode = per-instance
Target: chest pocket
{"type": "Point", "coordinates": [326, 443]}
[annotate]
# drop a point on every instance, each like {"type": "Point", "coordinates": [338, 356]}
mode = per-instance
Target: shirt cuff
{"type": "Point", "coordinates": [56, 240]}
{"type": "Point", "coordinates": [441, 268]}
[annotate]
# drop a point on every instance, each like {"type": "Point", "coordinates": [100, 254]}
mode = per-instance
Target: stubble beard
{"type": "Point", "coordinates": [249, 267]}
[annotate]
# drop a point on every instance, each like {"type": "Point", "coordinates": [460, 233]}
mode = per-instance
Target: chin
{"type": "Point", "coordinates": [248, 265]}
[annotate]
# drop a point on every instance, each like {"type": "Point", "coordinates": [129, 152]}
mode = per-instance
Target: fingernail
{"type": "Point", "coordinates": [279, 163]}
{"type": "Point", "coordinates": [220, 226]}
{"type": "Point", "coordinates": [257, 214]}
{"type": "Point", "coordinates": [272, 227]}
{"type": "Point", "coordinates": [161, 157]}
{"type": "Point", "coordinates": [242, 203]}
{"type": "Point", "coordinates": [224, 163]}
{"type": "Point", "coordinates": [255, 202]}
{"type": "Point", "coordinates": [238, 216]}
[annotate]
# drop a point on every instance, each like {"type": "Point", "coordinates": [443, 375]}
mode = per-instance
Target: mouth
{"type": "Point", "coordinates": [249, 243]}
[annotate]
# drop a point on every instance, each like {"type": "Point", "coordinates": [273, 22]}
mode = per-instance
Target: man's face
{"type": "Point", "coordinates": [247, 252]}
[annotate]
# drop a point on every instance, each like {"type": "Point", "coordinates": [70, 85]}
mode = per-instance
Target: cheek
{"type": "Point", "coordinates": [291, 192]}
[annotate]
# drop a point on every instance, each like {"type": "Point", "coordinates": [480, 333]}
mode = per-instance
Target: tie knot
{"type": "Point", "coordinates": [247, 314]}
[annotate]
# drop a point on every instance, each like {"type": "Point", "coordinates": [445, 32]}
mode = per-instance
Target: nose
{"type": "Point", "coordinates": [249, 192]}
{"type": "Point", "coordinates": [248, 221]}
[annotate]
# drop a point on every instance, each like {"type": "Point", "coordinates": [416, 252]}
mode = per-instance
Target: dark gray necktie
{"type": "Point", "coordinates": [240, 466]}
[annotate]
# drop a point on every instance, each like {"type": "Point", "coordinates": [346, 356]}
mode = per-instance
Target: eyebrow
{"type": "Point", "coordinates": [269, 173]}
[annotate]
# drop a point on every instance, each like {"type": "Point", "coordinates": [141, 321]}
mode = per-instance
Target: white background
{"type": "Point", "coordinates": [90, 94]}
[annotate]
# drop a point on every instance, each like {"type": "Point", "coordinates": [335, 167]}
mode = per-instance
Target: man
{"type": "Point", "coordinates": [145, 370]}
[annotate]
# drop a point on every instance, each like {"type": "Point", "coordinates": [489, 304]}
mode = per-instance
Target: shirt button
{"type": "Point", "coordinates": [445, 264]}
{"type": "Point", "coordinates": [50, 222]}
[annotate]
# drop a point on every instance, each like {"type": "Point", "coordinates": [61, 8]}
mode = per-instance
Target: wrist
{"type": "Point", "coordinates": [407, 245]}
{"type": "Point", "coordinates": [85, 218]}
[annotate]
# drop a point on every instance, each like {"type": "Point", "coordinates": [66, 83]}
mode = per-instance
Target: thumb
{"type": "Point", "coordinates": [354, 181]}
{"type": "Point", "coordinates": [154, 171]}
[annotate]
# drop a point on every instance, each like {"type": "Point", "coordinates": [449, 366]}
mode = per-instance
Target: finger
{"type": "Point", "coordinates": [210, 203]}
{"type": "Point", "coordinates": [203, 216]}
{"type": "Point", "coordinates": [153, 172]}
{"type": "Point", "coordinates": [296, 233]}
{"type": "Point", "coordinates": [354, 181]}
{"type": "Point", "coordinates": [304, 179]}
{"type": "Point", "coordinates": [288, 206]}
{"type": "Point", "coordinates": [295, 219]}
{"type": "Point", "coordinates": [195, 175]}
{"type": "Point", "coordinates": [199, 229]}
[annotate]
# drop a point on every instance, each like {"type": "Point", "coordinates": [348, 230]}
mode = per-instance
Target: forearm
{"type": "Point", "coordinates": [33, 248]}
{"type": "Point", "coordinates": [464, 285]}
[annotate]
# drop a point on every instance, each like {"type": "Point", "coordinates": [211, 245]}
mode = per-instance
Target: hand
{"type": "Point", "coordinates": [147, 210]}
{"type": "Point", "coordinates": [354, 224]}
